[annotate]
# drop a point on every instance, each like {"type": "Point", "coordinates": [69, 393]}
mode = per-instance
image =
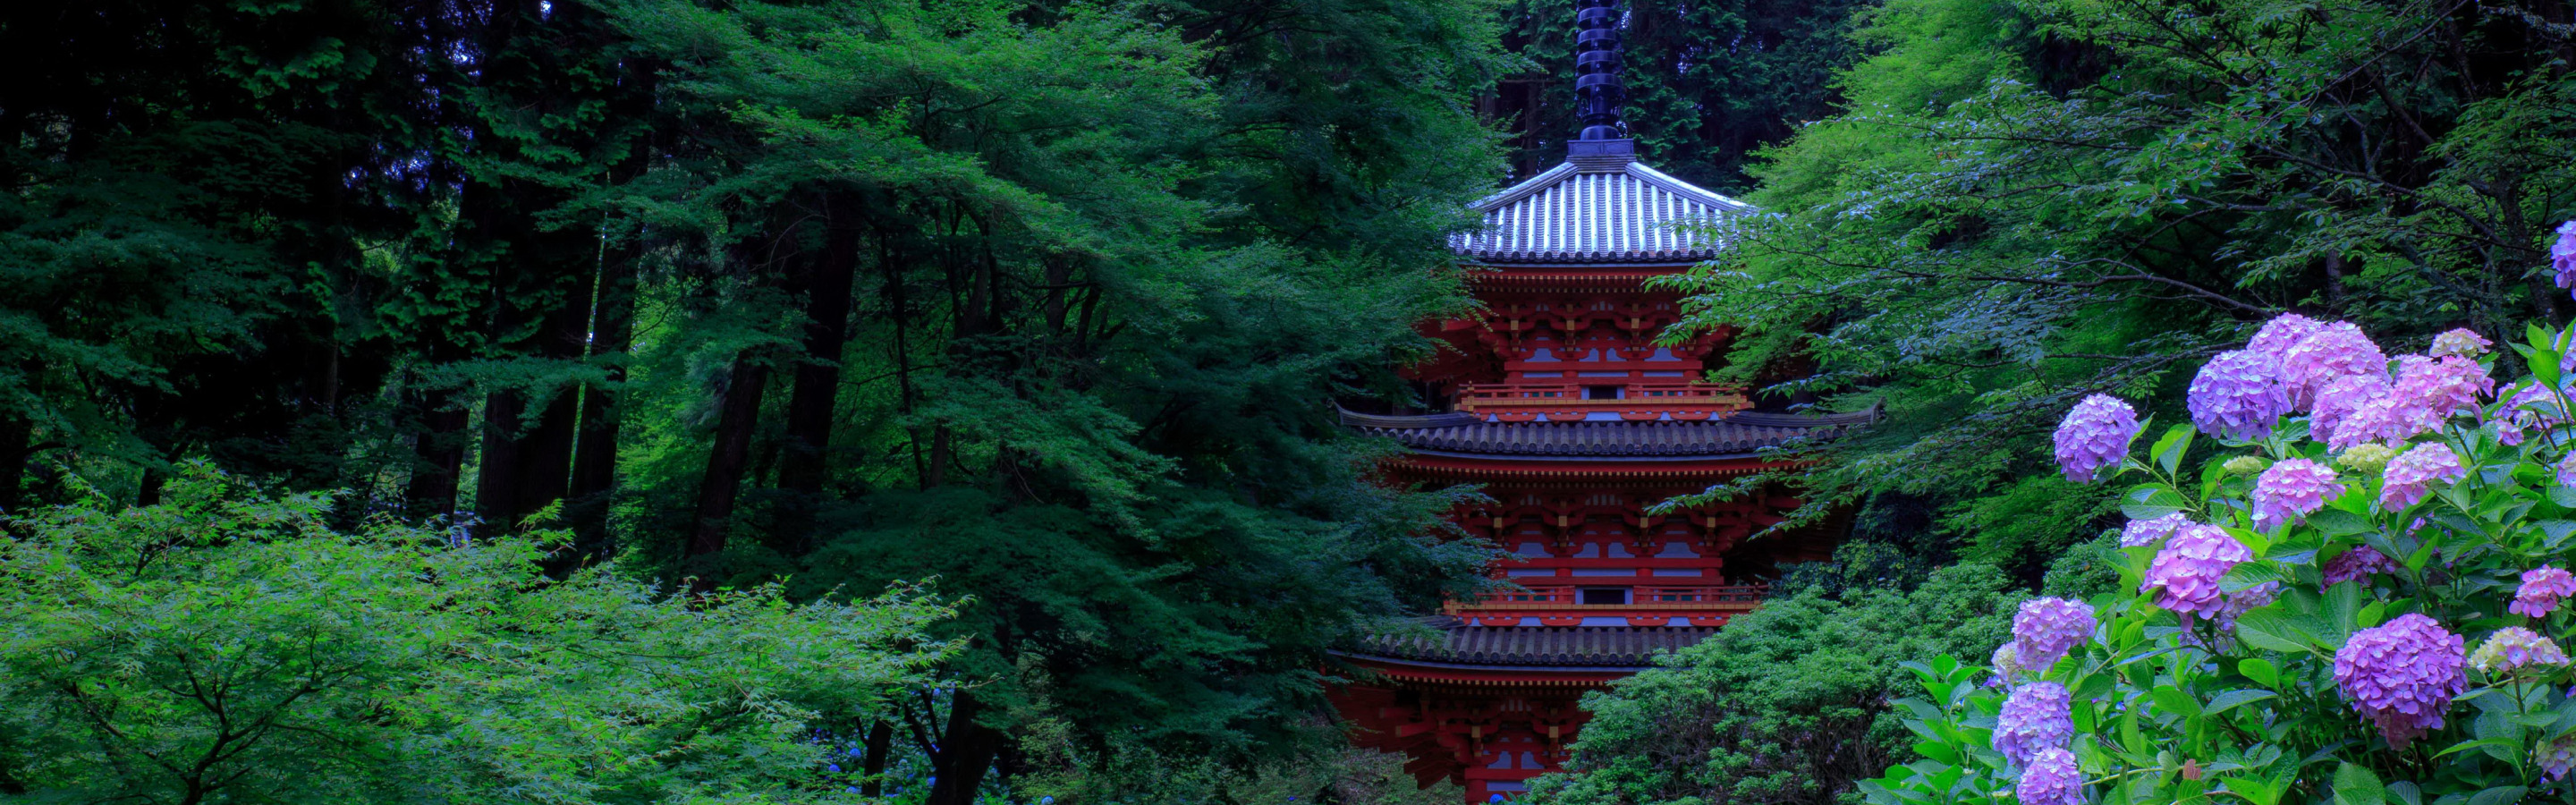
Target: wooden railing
{"type": "Point", "coordinates": [1721, 596]}
{"type": "Point", "coordinates": [1547, 395]}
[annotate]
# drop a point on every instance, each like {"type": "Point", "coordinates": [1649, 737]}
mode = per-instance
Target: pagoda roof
{"type": "Point", "coordinates": [1739, 435]}
{"type": "Point", "coordinates": [1456, 643]}
{"type": "Point", "coordinates": [1595, 209]}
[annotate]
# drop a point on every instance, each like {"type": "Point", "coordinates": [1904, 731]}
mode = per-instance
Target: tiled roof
{"type": "Point", "coordinates": [1454, 641]}
{"type": "Point", "coordinates": [1735, 435]}
{"type": "Point", "coordinates": [1616, 211]}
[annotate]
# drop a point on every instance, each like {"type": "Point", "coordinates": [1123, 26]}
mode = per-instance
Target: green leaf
{"type": "Point", "coordinates": [2500, 796]}
{"type": "Point", "coordinates": [2221, 702]}
{"type": "Point", "coordinates": [2354, 785]}
{"type": "Point", "coordinates": [2269, 630]}
{"type": "Point", "coordinates": [2169, 450]}
{"type": "Point", "coordinates": [2260, 670]}
{"type": "Point", "coordinates": [2150, 501]}
{"type": "Point", "coordinates": [2339, 523]}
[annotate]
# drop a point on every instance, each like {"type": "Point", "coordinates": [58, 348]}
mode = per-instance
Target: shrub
{"type": "Point", "coordinates": [230, 646]}
{"type": "Point", "coordinates": [2356, 599]}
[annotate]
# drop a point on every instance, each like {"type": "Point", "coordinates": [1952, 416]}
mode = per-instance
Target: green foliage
{"type": "Point", "coordinates": [2171, 708]}
{"type": "Point", "coordinates": [2023, 203]}
{"type": "Point", "coordinates": [1789, 704]}
{"type": "Point", "coordinates": [228, 644]}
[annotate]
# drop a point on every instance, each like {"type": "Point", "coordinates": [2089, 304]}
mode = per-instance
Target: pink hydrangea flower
{"type": "Point", "coordinates": [2237, 395]}
{"type": "Point", "coordinates": [2514, 647]}
{"type": "Point", "coordinates": [2357, 565]}
{"type": "Point", "coordinates": [2541, 589]}
{"type": "Point", "coordinates": [2184, 575]}
{"type": "Point", "coordinates": [2292, 490]}
{"type": "Point", "coordinates": [2094, 434]}
{"type": "Point", "coordinates": [2562, 255]}
{"type": "Point", "coordinates": [2411, 474]}
{"type": "Point", "coordinates": [2429, 392]}
{"type": "Point", "coordinates": [2035, 716]}
{"type": "Point", "coordinates": [2378, 419]}
{"type": "Point", "coordinates": [2046, 628]}
{"type": "Point", "coordinates": [2150, 532]}
{"type": "Point", "coordinates": [2460, 343]}
{"type": "Point", "coordinates": [2401, 675]}
{"type": "Point", "coordinates": [2336, 402]}
{"type": "Point", "coordinates": [2281, 333]}
{"type": "Point", "coordinates": [2054, 778]}
{"type": "Point", "coordinates": [2334, 350]}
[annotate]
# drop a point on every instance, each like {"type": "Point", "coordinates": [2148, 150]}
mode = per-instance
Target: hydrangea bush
{"type": "Point", "coordinates": [2354, 598]}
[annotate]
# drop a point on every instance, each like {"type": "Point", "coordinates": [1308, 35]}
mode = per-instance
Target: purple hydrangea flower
{"type": "Point", "coordinates": [2562, 255]}
{"type": "Point", "coordinates": [2046, 628]}
{"type": "Point", "coordinates": [2401, 675]}
{"type": "Point", "coordinates": [2429, 392]}
{"type": "Point", "coordinates": [2514, 647]}
{"type": "Point", "coordinates": [2459, 343]}
{"type": "Point", "coordinates": [2237, 395]}
{"type": "Point", "coordinates": [2541, 589]}
{"type": "Point", "coordinates": [2567, 470]}
{"type": "Point", "coordinates": [2150, 532]}
{"type": "Point", "coordinates": [2411, 474]}
{"type": "Point", "coordinates": [2094, 434]}
{"type": "Point", "coordinates": [2054, 778]}
{"type": "Point", "coordinates": [2357, 565]}
{"type": "Point", "coordinates": [2334, 350]}
{"type": "Point", "coordinates": [2292, 490]}
{"type": "Point", "coordinates": [2338, 400]}
{"type": "Point", "coordinates": [2281, 333]}
{"type": "Point", "coordinates": [2184, 575]}
{"type": "Point", "coordinates": [2556, 758]}
{"type": "Point", "coordinates": [2034, 717]}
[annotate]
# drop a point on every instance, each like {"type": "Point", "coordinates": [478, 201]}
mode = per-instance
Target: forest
{"type": "Point", "coordinates": [882, 401]}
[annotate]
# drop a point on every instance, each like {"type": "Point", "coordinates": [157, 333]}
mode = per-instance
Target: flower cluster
{"type": "Point", "coordinates": [2292, 490]}
{"type": "Point", "coordinates": [2046, 628]}
{"type": "Point", "coordinates": [2514, 647]}
{"type": "Point", "coordinates": [2281, 333]}
{"type": "Point", "coordinates": [2007, 664]}
{"type": "Point", "coordinates": [2357, 565]}
{"type": "Point", "coordinates": [2428, 392]}
{"type": "Point", "coordinates": [2334, 350]}
{"type": "Point", "coordinates": [2566, 470]}
{"type": "Point", "coordinates": [2366, 459]}
{"type": "Point", "coordinates": [2094, 435]}
{"type": "Point", "coordinates": [2054, 778]}
{"type": "Point", "coordinates": [2339, 401]}
{"type": "Point", "coordinates": [2402, 674]}
{"type": "Point", "coordinates": [2460, 343]}
{"type": "Point", "coordinates": [2556, 758]}
{"type": "Point", "coordinates": [2562, 255]}
{"type": "Point", "coordinates": [2411, 474]}
{"type": "Point", "coordinates": [2035, 717]}
{"type": "Point", "coordinates": [2184, 575]}
{"type": "Point", "coordinates": [2541, 589]}
{"type": "Point", "coordinates": [2151, 531]}
{"type": "Point", "coordinates": [2236, 395]}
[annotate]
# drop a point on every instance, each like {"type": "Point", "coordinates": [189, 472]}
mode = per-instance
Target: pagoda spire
{"type": "Point", "coordinates": [1597, 86]}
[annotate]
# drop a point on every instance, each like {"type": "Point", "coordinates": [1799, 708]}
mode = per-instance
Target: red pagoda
{"type": "Point", "coordinates": [1558, 400]}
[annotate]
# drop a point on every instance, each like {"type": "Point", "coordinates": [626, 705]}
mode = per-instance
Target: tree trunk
{"type": "Point", "coordinates": [818, 377]}
{"type": "Point", "coordinates": [439, 450]}
{"type": "Point", "coordinates": [16, 437]}
{"type": "Point", "coordinates": [722, 485]}
{"type": "Point", "coordinates": [965, 753]}
{"type": "Point", "coordinates": [873, 763]}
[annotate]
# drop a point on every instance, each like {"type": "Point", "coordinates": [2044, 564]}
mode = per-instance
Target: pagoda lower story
{"type": "Point", "coordinates": [1486, 693]}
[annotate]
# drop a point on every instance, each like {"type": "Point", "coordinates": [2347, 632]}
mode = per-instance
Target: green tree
{"type": "Point", "coordinates": [226, 644]}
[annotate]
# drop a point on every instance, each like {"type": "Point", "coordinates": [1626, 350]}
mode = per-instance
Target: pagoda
{"type": "Point", "coordinates": [1557, 398]}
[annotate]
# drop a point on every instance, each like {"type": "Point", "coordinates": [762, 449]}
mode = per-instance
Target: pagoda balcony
{"type": "Point", "coordinates": [1647, 605]}
{"type": "Point", "coordinates": [1631, 400]}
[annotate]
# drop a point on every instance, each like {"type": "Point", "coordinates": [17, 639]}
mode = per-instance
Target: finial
{"type": "Point", "coordinates": [1597, 87]}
